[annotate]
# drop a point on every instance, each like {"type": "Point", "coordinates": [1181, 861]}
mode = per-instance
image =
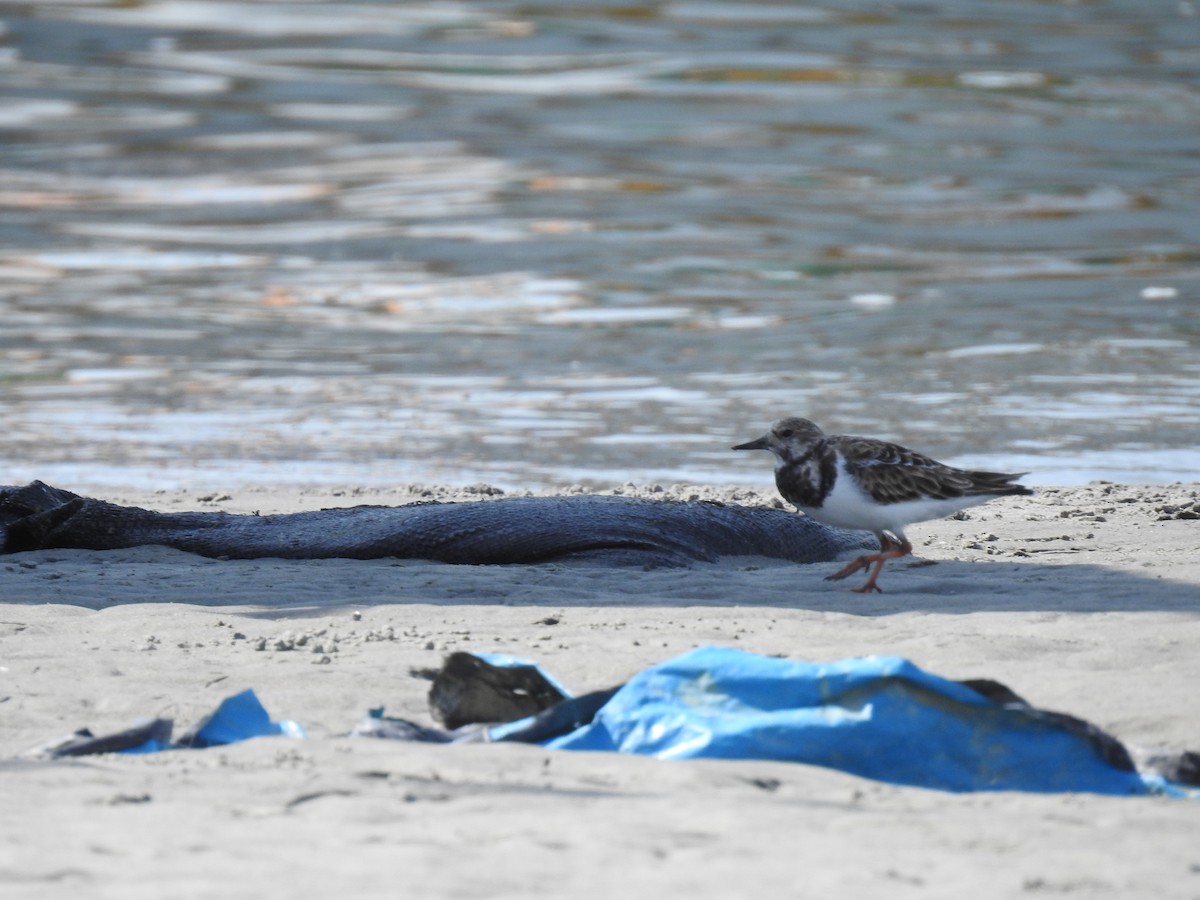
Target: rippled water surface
{"type": "Point", "coordinates": [539, 244]}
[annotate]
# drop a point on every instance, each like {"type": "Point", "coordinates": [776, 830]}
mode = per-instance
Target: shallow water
{"type": "Point", "coordinates": [357, 243]}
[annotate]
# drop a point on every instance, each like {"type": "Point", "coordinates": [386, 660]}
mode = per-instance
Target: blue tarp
{"type": "Point", "coordinates": [238, 718]}
{"type": "Point", "coordinates": [879, 717]}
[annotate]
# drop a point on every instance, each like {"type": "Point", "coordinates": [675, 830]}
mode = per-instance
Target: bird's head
{"type": "Point", "coordinates": [788, 439]}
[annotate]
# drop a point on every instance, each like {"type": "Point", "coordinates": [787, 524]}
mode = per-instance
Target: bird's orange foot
{"type": "Point", "coordinates": [855, 565]}
{"type": "Point", "coordinates": [888, 551]}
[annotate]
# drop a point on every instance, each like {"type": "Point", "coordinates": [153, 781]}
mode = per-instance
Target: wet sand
{"type": "Point", "coordinates": [1083, 600]}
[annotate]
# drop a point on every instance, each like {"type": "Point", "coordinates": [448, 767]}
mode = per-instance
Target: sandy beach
{"type": "Point", "coordinates": [1084, 600]}
{"type": "Point", "coordinates": [279, 256]}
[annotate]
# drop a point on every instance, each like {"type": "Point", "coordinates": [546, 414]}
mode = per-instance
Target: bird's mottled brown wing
{"type": "Point", "coordinates": [892, 474]}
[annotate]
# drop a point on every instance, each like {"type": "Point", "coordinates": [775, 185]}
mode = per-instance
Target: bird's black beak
{"type": "Point", "coordinates": [759, 444]}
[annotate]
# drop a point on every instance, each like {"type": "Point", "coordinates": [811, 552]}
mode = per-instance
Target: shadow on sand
{"type": "Point", "coordinates": [277, 588]}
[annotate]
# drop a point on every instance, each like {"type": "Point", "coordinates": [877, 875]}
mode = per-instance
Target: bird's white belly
{"type": "Point", "coordinates": [849, 506]}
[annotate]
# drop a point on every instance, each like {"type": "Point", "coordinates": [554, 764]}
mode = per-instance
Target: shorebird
{"type": "Point", "coordinates": [872, 485]}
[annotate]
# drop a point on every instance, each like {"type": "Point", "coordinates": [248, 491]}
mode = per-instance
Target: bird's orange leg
{"type": "Point", "coordinates": [887, 550]}
{"type": "Point", "coordinates": [864, 561]}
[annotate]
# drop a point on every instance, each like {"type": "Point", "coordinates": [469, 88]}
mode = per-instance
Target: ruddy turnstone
{"type": "Point", "coordinates": [863, 483]}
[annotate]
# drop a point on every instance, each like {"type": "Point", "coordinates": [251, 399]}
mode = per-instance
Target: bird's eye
{"type": "Point", "coordinates": [787, 432]}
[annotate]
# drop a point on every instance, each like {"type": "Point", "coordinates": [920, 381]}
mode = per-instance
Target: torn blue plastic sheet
{"type": "Point", "coordinates": [237, 718]}
{"type": "Point", "coordinates": [878, 717]}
